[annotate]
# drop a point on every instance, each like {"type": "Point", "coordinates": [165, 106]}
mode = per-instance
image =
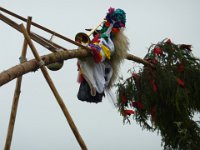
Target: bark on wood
{"type": "Point", "coordinates": [54, 90]}
{"type": "Point", "coordinates": [16, 95]}
{"type": "Point", "coordinates": [32, 65]}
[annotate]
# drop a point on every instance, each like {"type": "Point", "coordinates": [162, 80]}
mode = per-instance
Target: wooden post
{"type": "Point", "coordinates": [16, 94]}
{"type": "Point", "coordinates": [53, 88]}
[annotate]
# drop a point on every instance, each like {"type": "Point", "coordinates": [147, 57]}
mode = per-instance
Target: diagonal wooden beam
{"type": "Point", "coordinates": [53, 89]}
{"type": "Point", "coordinates": [16, 95]}
{"type": "Point", "coordinates": [40, 40]}
{"type": "Point", "coordinates": [43, 41]}
{"type": "Point", "coordinates": [44, 28]}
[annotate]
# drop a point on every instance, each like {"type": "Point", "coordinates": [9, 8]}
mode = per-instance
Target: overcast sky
{"type": "Point", "coordinates": [40, 123]}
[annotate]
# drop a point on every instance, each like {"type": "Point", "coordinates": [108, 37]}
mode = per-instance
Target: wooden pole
{"type": "Point", "coordinates": [44, 28]}
{"type": "Point", "coordinates": [42, 41]}
{"type": "Point", "coordinates": [139, 60]}
{"type": "Point", "coordinates": [53, 88]}
{"type": "Point", "coordinates": [32, 65]}
{"type": "Point", "coordinates": [16, 94]}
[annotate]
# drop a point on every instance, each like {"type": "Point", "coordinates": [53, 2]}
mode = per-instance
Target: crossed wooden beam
{"type": "Point", "coordinates": [40, 62]}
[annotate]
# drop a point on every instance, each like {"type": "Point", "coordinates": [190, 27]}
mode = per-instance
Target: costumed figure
{"type": "Point", "coordinates": [109, 47]}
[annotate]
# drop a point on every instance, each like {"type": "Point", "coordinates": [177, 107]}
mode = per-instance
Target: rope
{"type": "Point", "coordinates": [22, 59]}
{"type": "Point", "coordinates": [41, 63]}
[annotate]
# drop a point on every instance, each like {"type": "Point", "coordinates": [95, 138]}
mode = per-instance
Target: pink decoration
{"type": "Point", "coordinates": [111, 10]}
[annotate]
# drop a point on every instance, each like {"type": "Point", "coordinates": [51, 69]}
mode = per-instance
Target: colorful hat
{"type": "Point", "coordinates": [116, 18]}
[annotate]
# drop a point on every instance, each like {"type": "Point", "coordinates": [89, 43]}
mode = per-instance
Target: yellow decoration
{"type": "Point", "coordinates": [106, 51]}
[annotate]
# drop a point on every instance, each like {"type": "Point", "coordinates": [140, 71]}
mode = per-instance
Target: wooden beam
{"type": "Point", "coordinates": [53, 89]}
{"type": "Point", "coordinates": [33, 35]}
{"type": "Point", "coordinates": [32, 65]}
{"type": "Point", "coordinates": [16, 94]}
{"type": "Point", "coordinates": [44, 28]}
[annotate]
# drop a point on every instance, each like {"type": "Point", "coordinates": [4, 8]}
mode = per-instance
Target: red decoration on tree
{"type": "Point", "coordinates": [180, 82]}
{"type": "Point", "coordinates": [168, 41]}
{"type": "Point", "coordinates": [154, 86]}
{"type": "Point", "coordinates": [181, 67]}
{"type": "Point", "coordinates": [153, 113]}
{"type": "Point", "coordinates": [128, 112]}
{"type": "Point", "coordinates": [124, 99]}
{"type": "Point", "coordinates": [137, 104]}
{"type": "Point", "coordinates": [157, 51]}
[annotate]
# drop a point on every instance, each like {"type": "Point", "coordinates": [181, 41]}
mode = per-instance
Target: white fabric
{"type": "Point", "coordinates": [94, 72]}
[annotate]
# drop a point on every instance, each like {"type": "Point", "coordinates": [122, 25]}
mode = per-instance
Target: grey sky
{"type": "Point", "coordinates": [40, 123]}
